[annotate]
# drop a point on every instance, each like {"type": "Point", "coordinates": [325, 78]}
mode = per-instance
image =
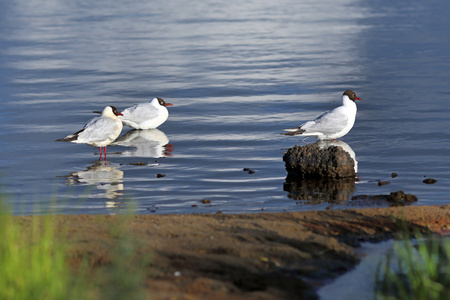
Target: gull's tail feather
{"type": "Point", "coordinates": [70, 137]}
{"type": "Point", "coordinates": [293, 131]}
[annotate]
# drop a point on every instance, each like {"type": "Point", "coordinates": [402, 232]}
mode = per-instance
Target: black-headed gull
{"type": "Point", "coordinates": [146, 115]}
{"type": "Point", "coordinates": [99, 131]}
{"type": "Point", "coordinates": [332, 124]}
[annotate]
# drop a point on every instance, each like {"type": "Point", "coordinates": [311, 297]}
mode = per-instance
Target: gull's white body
{"type": "Point", "coordinates": [99, 131]}
{"type": "Point", "coordinates": [330, 125]}
{"type": "Point", "coordinates": [146, 115]}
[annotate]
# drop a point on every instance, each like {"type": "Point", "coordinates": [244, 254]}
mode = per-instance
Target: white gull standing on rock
{"type": "Point", "coordinates": [332, 124]}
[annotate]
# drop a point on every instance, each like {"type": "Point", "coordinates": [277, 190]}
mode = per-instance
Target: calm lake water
{"type": "Point", "coordinates": [237, 74]}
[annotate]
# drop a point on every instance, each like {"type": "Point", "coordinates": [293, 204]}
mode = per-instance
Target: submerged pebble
{"type": "Point", "coordinates": [138, 164]}
{"type": "Point", "coordinates": [399, 198]}
{"type": "Point", "coordinates": [250, 171]}
{"type": "Point", "coordinates": [430, 181]}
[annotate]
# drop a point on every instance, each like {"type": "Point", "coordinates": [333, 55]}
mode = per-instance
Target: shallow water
{"type": "Point", "coordinates": [237, 74]}
{"type": "Point", "coordinates": [360, 282]}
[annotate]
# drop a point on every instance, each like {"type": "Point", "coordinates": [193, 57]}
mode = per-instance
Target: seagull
{"type": "Point", "coordinates": [99, 131]}
{"type": "Point", "coordinates": [146, 115]}
{"type": "Point", "coordinates": [332, 124]}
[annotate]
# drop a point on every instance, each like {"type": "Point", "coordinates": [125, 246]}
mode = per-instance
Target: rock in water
{"type": "Point", "coordinates": [312, 162]}
{"type": "Point", "coordinates": [399, 198]}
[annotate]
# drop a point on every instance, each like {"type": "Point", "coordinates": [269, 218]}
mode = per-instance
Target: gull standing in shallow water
{"type": "Point", "coordinates": [332, 124]}
{"type": "Point", "coordinates": [146, 115]}
{"type": "Point", "coordinates": [99, 131]}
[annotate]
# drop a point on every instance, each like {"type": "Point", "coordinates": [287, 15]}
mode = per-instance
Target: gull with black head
{"type": "Point", "coordinates": [332, 124]}
{"type": "Point", "coordinates": [99, 131]}
{"type": "Point", "coordinates": [146, 115]}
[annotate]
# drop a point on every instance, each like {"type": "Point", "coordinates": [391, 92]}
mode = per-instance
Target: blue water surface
{"type": "Point", "coordinates": [237, 74]}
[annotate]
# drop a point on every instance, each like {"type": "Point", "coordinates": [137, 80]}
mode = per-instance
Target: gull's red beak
{"type": "Point", "coordinates": [119, 114]}
{"type": "Point", "coordinates": [169, 104]}
{"type": "Point", "coordinates": [358, 99]}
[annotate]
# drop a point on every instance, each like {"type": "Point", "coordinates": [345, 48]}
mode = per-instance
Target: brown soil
{"type": "Point", "coordinates": [244, 256]}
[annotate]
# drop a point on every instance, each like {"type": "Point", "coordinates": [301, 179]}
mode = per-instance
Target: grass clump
{"type": "Point", "coordinates": [415, 269]}
{"type": "Point", "coordinates": [33, 262]}
{"type": "Point", "coordinates": [35, 256]}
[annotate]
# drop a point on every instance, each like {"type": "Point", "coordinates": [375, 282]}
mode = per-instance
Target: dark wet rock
{"type": "Point", "coordinates": [138, 164]}
{"type": "Point", "coordinates": [401, 196]}
{"type": "Point", "coordinates": [398, 198]}
{"type": "Point", "coordinates": [430, 181]}
{"type": "Point", "coordinates": [393, 175]}
{"type": "Point", "coordinates": [205, 201]}
{"type": "Point", "coordinates": [314, 191]}
{"type": "Point", "coordinates": [250, 171]}
{"type": "Point", "coordinates": [160, 175]}
{"type": "Point", "coordinates": [381, 183]}
{"type": "Point", "coordinates": [319, 174]}
{"type": "Point", "coordinates": [312, 162]}
{"type": "Point", "coordinates": [152, 208]}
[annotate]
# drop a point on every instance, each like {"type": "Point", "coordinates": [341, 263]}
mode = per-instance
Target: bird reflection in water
{"type": "Point", "coordinates": [145, 143]}
{"type": "Point", "coordinates": [315, 191]}
{"type": "Point", "coordinates": [106, 178]}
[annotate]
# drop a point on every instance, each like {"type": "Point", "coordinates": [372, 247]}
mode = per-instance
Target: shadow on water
{"type": "Point", "coordinates": [106, 178]}
{"type": "Point", "coordinates": [145, 143]}
{"type": "Point", "coordinates": [315, 191]}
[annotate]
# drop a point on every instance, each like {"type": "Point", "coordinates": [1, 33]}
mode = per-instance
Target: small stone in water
{"type": "Point", "coordinates": [430, 181]}
{"type": "Point", "coordinates": [250, 171]}
{"type": "Point", "coordinates": [139, 164]}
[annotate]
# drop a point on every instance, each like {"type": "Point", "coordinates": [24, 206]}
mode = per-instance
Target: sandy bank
{"type": "Point", "coordinates": [245, 256]}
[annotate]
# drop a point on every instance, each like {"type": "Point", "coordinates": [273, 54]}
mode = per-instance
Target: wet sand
{"type": "Point", "coordinates": [244, 256]}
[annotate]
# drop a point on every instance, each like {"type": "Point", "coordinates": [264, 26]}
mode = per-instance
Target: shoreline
{"type": "Point", "coordinates": [286, 255]}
